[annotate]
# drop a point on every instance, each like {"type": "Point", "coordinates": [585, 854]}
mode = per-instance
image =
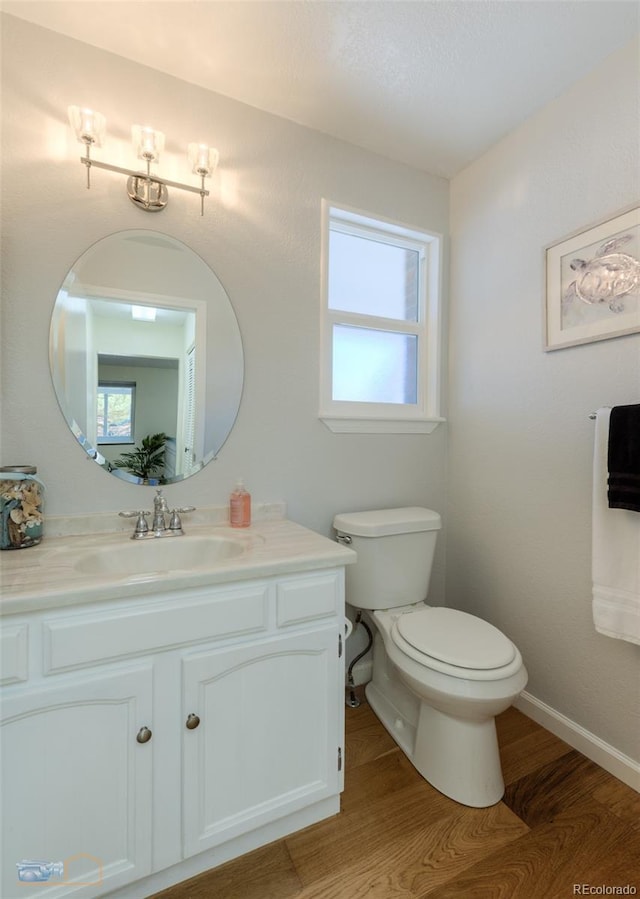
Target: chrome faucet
{"type": "Point", "coordinates": [159, 527]}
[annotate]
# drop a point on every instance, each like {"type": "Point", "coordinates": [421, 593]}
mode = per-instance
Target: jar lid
{"type": "Point", "coordinates": [19, 469]}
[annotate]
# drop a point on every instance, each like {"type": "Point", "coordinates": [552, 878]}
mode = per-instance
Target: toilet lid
{"type": "Point", "coordinates": [456, 638]}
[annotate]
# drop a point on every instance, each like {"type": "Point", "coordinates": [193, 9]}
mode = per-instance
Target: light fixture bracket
{"type": "Point", "coordinates": [145, 191]}
{"type": "Point", "coordinates": [148, 193]}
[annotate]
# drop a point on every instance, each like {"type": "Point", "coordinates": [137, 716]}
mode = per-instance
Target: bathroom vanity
{"type": "Point", "coordinates": [156, 723]}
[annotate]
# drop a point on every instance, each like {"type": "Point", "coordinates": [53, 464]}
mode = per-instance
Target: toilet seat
{"type": "Point", "coordinates": [455, 643]}
{"type": "Point", "coordinates": [456, 637]}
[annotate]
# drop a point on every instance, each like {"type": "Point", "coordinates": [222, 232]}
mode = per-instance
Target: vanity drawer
{"type": "Point", "coordinates": [14, 660]}
{"type": "Point", "coordinates": [81, 640]}
{"type": "Point", "coordinates": [310, 597]}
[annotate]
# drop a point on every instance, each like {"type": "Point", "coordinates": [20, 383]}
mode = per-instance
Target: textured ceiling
{"type": "Point", "coordinates": [430, 83]}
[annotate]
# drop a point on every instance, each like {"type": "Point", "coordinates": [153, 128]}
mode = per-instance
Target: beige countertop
{"type": "Point", "coordinates": [46, 576]}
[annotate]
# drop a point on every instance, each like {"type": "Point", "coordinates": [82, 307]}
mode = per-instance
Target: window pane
{"type": "Point", "coordinates": [374, 366]}
{"type": "Point", "coordinates": [115, 413]}
{"type": "Point", "coordinates": [369, 277]}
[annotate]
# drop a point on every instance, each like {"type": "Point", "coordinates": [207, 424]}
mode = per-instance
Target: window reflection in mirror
{"type": "Point", "coordinates": [115, 409]}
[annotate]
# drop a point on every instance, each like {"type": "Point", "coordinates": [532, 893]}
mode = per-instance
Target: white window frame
{"type": "Point", "coordinates": [129, 440]}
{"type": "Point", "coordinates": [423, 416]}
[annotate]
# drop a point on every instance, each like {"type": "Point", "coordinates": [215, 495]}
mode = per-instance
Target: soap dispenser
{"type": "Point", "coordinates": [240, 506]}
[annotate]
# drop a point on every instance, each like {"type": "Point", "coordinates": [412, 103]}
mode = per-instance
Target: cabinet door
{"type": "Point", "coordinates": [269, 735]}
{"type": "Point", "coordinates": [76, 785]}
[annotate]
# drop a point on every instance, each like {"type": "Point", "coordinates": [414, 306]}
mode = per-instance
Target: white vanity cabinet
{"type": "Point", "coordinates": [158, 736]}
{"type": "Point", "coordinates": [74, 780]}
{"type": "Point", "coordinates": [267, 743]}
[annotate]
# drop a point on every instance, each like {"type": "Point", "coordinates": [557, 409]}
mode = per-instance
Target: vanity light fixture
{"type": "Point", "coordinates": [147, 191]}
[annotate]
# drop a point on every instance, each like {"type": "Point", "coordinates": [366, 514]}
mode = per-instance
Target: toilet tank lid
{"type": "Point", "coordinates": [383, 522]}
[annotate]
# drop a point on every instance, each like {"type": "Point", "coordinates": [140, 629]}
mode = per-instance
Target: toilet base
{"type": "Point", "coordinates": [460, 758]}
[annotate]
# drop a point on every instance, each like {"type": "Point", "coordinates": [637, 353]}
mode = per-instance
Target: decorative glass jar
{"type": "Point", "coordinates": [21, 505]}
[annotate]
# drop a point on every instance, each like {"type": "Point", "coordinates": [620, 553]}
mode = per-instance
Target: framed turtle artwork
{"type": "Point", "coordinates": [593, 283]}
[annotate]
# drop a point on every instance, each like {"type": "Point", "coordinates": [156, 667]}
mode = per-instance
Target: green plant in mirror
{"type": "Point", "coordinates": [146, 460]}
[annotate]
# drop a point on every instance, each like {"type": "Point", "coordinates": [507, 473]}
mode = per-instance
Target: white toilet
{"type": "Point", "coordinates": [440, 676]}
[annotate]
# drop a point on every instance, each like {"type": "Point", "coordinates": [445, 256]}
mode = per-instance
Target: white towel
{"type": "Point", "coordinates": [615, 552]}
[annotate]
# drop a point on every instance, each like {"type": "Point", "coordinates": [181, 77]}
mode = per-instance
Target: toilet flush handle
{"type": "Point", "coordinates": [344, 538]}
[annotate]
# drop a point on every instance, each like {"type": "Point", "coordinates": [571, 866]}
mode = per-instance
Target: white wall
{"type": "Point", "coordinates": [521, 442]}
{"type": "Point", "coordinates": [261, 235]}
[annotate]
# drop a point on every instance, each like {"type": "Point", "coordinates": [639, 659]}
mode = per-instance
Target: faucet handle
{"type": "Point", "coordinates": [141, 524]}
{"type": "Point", "coordinates": [175, 524]}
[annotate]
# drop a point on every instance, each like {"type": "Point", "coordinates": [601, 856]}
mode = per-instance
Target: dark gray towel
{"type": "Point", "coordinates": [624, 458]}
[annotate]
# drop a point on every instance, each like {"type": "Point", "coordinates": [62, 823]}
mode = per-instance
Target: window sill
{"type": "Point", "coordinates": [380, 425]}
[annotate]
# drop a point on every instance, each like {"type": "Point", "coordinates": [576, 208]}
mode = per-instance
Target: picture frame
{"type": "Point", "coordinates": [593, 282]}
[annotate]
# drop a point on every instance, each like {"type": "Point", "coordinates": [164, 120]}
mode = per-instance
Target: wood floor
{"type": "Point", "coordinates": [563, 822]}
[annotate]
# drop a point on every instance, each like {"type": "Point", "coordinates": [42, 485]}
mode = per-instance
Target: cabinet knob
{"type": "Point", "coordinates": [192, 721]}
{"type": "Point", "coordinates": [144, 735]}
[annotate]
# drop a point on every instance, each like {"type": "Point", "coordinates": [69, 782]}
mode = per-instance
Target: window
{"type": "Point", "coordinates": [116, 405]}
{"type": "Point", "coordinates": [380, 325]}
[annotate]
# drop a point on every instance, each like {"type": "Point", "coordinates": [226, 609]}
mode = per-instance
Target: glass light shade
{"type": "Point", "coordinates": [203, 159]}
{"type": "Point", "coordinates": [149, 144]}
{"type": "Point", "coordinates": [89, 125]}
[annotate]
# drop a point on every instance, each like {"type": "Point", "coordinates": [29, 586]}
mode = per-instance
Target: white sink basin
{"type": "Point", "coordinates": [139, 557]}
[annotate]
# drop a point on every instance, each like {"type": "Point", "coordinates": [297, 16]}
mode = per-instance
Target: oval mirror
{"type": "Point", "coordinates": [146, 357]}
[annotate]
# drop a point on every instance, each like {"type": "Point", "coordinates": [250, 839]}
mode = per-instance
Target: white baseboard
{"type": "Point", "coordinates": [621, 766]}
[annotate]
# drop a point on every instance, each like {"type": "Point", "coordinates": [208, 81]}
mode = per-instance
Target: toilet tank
{"type": "Point", "coordinates": [395, 550]}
